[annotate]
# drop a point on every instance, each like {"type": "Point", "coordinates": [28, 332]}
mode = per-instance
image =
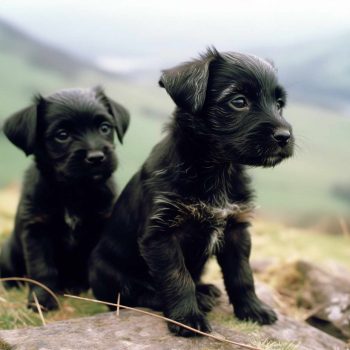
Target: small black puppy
{"type": "Point", "coordinates": [191, 198]}
{"type": "Point", "coordinates": [68, 191]}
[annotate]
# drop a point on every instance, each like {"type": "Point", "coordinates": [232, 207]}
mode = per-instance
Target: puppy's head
{"type": "Point", "coordinates": [70, 133]}
{"type": "Point", "coordinates": [233, 103]}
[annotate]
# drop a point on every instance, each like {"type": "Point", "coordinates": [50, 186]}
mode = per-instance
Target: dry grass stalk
{"type": "Point", "coordinates": [344, 227]}
{"type": "Point", "coordinates": [221, 339]}
{"type": "Point", "coordinates": [29, 280]}
{"type": "Point", "coordinates": [118, 303]}
{"type": "Point", "coordinates": [38, 306]}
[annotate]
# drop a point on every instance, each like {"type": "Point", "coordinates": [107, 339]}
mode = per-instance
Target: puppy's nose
{"type": "Point", "coordinates": [95, 157]}
{"type": "Point", "coordinates": [282, 136]}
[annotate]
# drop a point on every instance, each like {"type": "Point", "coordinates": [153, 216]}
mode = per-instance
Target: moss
{"type": "Point", "coordinates": [231, 321]}
{"type": "Point", "coordinates": [271, 344]}
{"type": "Point", "coordinates": [15, 314]}
{"type": "Point", "coordinates": [4, 345]}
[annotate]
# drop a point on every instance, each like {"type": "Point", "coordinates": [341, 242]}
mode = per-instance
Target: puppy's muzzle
{"type": "Point", "coordinates": [95, 157]}
{"type": "Point", "coordinates": [282, 136]}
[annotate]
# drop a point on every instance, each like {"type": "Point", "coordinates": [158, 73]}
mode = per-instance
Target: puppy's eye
{"type": "Point", "coordinates": [280, 104]}
{"type": "Point", "coordinates": [105, 129]}
{"type": "Point", "coordinates": [239, 103]}
{"type": "Point", "coordinates": [62, 136]}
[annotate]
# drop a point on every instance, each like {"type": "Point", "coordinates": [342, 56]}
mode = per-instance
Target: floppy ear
{"type": "Point", "coordinates": [187, 83]}
{"type": "Point", "coordinates": [119, 113]}
{"type": "Point", "coordinates": [20, 128]}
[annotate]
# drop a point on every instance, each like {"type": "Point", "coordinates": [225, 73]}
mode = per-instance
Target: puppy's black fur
{"type": "Point", "coordinates": [192, 198]}
{"type": "Point", "coordinates": [68, 191]}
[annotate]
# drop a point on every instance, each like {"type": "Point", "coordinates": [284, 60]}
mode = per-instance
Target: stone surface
{"type": "Point", "coordinates": [329, 296]}
{"type": "Point", "coordinates": [131, 330]}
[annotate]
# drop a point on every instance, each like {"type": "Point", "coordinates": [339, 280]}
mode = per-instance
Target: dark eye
{"type": "Point", "coordinates": [105, 128]}
{"type": "Point", "coordinates": [239, 102]}
{"type": "Point", "coordinates": [62, 136]}
{"type": "Point", "coordinates": [280, 104]}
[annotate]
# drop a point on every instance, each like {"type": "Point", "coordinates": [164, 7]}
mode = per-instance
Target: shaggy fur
{"type": "Point", "coordinates": [191, 199]}
{"type": "Point", "coordinates": [68, 192]}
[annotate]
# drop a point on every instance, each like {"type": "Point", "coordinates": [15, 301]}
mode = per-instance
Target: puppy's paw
{"type": "Point", "coordinates": [46, 301]}
{"type": "Point", "coordinates": [256, 311]}
{"type": "Point", "coordinates": [205, 302]}
{"type": "Point", "coordinates": [207, 295]}
{"type": "Point", "coordinates": [196, 320]}
{"type": "Point", "coordinates": [209, 289]}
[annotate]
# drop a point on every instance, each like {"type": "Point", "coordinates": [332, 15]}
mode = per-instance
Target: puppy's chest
{"type": "Point", "coordinates": [73, 222]}
{"type": "Point", "coordinates": [207, 222]}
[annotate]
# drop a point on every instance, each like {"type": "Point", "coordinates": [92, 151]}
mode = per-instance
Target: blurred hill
{"type": "Point", "coordinates": [317, 71]}
{"type": "Point", "coordinates": [15, 41]}
{"type": "Point", "coordinates": [301, 189]}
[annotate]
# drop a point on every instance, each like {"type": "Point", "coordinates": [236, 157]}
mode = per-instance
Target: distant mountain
{"type": "Point", "coordinates": [316, 72]}
{"type": "Point", "coordinates": [39, 54]}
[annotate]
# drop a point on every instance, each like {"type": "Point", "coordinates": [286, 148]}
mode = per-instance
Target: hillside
{"type": "Point", "coordinates": [317, 71]}
{"type": "Point", "coordinates": [39, 54]}
{"type": "Point", "coordinates": [302, 189]}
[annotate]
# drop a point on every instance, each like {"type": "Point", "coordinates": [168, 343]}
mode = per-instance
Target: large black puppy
{"type": "Point", "coordinates": [191, 198]}
{"type": "Point", "coordinates": [68, 192]}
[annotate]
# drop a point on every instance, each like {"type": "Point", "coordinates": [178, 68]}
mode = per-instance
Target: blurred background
{"type": "Point", "coordinates": [304, 203]}
{"type": "Point", "coordinates": [123, 45]}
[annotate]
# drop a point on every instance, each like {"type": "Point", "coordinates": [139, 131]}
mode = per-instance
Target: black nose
{"type": "Point", "coordinates": [282, 136]}
{"type": "Point", "coordinates": [95, 157]}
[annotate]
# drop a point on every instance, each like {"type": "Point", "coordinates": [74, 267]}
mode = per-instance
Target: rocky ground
{"type": "Point", "coordinates": [303, 275]}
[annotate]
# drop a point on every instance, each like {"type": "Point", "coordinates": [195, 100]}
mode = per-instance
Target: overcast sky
{"type": "Point", "coordinates": [143, 29]}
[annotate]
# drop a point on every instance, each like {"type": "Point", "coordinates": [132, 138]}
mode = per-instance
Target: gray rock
{"type": "Point", "coordinates": [131, 330]}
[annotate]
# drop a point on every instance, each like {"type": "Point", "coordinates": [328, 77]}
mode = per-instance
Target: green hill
{"type": "Point", "coordinates": [301, 186]}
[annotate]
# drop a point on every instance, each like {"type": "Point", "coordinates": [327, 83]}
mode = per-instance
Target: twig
{"type": "Point", "coordinates": [221, 339]}
{"type": "Point", "coordinates": [118, 302]}
{"type": "Point", "coordinates": [344, 227]}
{"type": "Point", "coordinates": [29, 280]}
{"type": "Point", "coordinates": [39, 309]}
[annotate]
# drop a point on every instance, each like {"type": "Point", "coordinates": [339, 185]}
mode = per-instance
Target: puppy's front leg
{"type": "Point", "coordinates": [39, 259]}
{"type": "Point", "coordinates": [234, 261]}
{"type": "Point", "coordinates": [163, 255]}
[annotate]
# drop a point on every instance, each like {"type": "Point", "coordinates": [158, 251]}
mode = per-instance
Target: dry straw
{"type": "Point", "coordinates": [29, 280]}
{"type": "Point", "coordinates": [38, 306]}
{"type": "Point", "coordinates": [221, 339]}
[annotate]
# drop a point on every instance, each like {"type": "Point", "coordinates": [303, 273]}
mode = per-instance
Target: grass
{"type": "Point", "coordinates": [269, 240]}
{"type": "Point", "coordinates": [15, 314]}
{"type": "Point", "coordinates": [4, 345]}
{"type": "Point", "coordinates": [276, 242]}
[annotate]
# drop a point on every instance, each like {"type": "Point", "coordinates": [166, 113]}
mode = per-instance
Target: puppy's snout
{"type": "Point", "coordinates": [281, 136]}
{"type": "Point", "coordinates": [95, 157]}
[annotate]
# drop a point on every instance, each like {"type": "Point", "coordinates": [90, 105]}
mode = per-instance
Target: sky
{"type": "Point", "coordinates": [137, 32]}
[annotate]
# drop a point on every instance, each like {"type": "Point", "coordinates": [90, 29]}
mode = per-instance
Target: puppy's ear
{"type": "Point", "coordinates": [187, 83]}
{"type": "Point", "coordinates": [119, 113]}
{"type": "Point", "coordinates": [21, 127]}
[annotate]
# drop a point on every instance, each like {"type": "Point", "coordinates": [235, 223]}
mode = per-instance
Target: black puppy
{"type": "Point", "coordinates": [68, 191]}
{"type": "Point", "coordinates": [191, 198]}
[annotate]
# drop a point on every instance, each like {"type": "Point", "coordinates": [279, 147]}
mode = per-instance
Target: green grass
{"type": "Point", "coordinates": [4, 345]}
{"type": "Point", "coordinates": [15, 314]}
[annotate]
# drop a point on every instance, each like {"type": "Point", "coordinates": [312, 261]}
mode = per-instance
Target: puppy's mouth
{"type": "Point", "coordinates": [274, 159]}
{"type": "Point", "coordinates": [77, 171]}
{"type": "Point", "coordinates": [101, 176]}
{"type": "Point", "coordinates": [268, 160]}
